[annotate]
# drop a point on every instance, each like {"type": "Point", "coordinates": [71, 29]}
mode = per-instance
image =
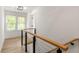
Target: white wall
{"type": "Point", "coordinates": [29, 21]}
{"type": "Point", "coordinates": [1, 27]}
{"type": "Point", "coordinates": [58, 23]}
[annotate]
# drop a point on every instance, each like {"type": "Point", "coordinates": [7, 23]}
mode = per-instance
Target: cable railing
{"type": "Point", "coordinates": [22, 32]}
{"type": "Point", "coordinates": [41, 37]}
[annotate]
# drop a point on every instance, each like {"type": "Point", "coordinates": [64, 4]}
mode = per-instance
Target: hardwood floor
{"type": "Point", "coordinates": [12, 46]}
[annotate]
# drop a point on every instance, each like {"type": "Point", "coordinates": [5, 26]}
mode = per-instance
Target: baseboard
{"type": "Point", "coordinates": [12, 37]}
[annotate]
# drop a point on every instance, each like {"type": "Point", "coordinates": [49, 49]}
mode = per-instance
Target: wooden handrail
{"type": "Point", "coordinates": [71, 41]}
{"type": "Point", "coordinates": [50, 41]}
{"type": "Point", "coordinates": [28, 29]}
{"type": "Point", "coordinates": [65, 44]}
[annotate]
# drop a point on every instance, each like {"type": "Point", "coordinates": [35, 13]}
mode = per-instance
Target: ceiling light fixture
{"type": "Point", "coordinates": [21, 8]}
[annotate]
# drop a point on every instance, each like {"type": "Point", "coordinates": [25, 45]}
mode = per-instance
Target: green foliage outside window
{"type": "Point", "coordinates": [11, 22]}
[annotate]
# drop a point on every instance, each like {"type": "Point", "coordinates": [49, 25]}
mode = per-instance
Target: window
{"type": "Point", "coordinates": [11, 22]}
{"type": "Point", "coordinates": [21, 23]}
{"type": "Point", "coordinates": [15, 22]}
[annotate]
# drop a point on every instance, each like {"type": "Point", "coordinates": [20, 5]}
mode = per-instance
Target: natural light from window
{"type": "Point", "coordinates": [11, 22]}
{"type": "Point", "coordinates": [15, 23]}
{"type": "Point", "coordinates": [21, 23]}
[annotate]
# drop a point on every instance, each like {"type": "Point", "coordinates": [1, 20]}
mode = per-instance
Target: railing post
{"type": "Point", "coordinates": [21, 37]}
{"type": "Point", "coordinates": [25, 41]}
{"type": "Point", "coordinates": [34, 30]}
{"type": "Point", "coordinates": [72, 43]}
{"type": "Point", "coordinates": [59, 50]}
{"type": "Point", "coordinates": [34, 41]}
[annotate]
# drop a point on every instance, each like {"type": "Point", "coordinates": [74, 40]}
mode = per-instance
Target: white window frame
{"type": "Point", "coordinates": [16, 14]}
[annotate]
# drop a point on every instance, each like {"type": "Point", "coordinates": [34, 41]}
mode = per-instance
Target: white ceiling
{"type": "Point", "coordinates": [14, 8]}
